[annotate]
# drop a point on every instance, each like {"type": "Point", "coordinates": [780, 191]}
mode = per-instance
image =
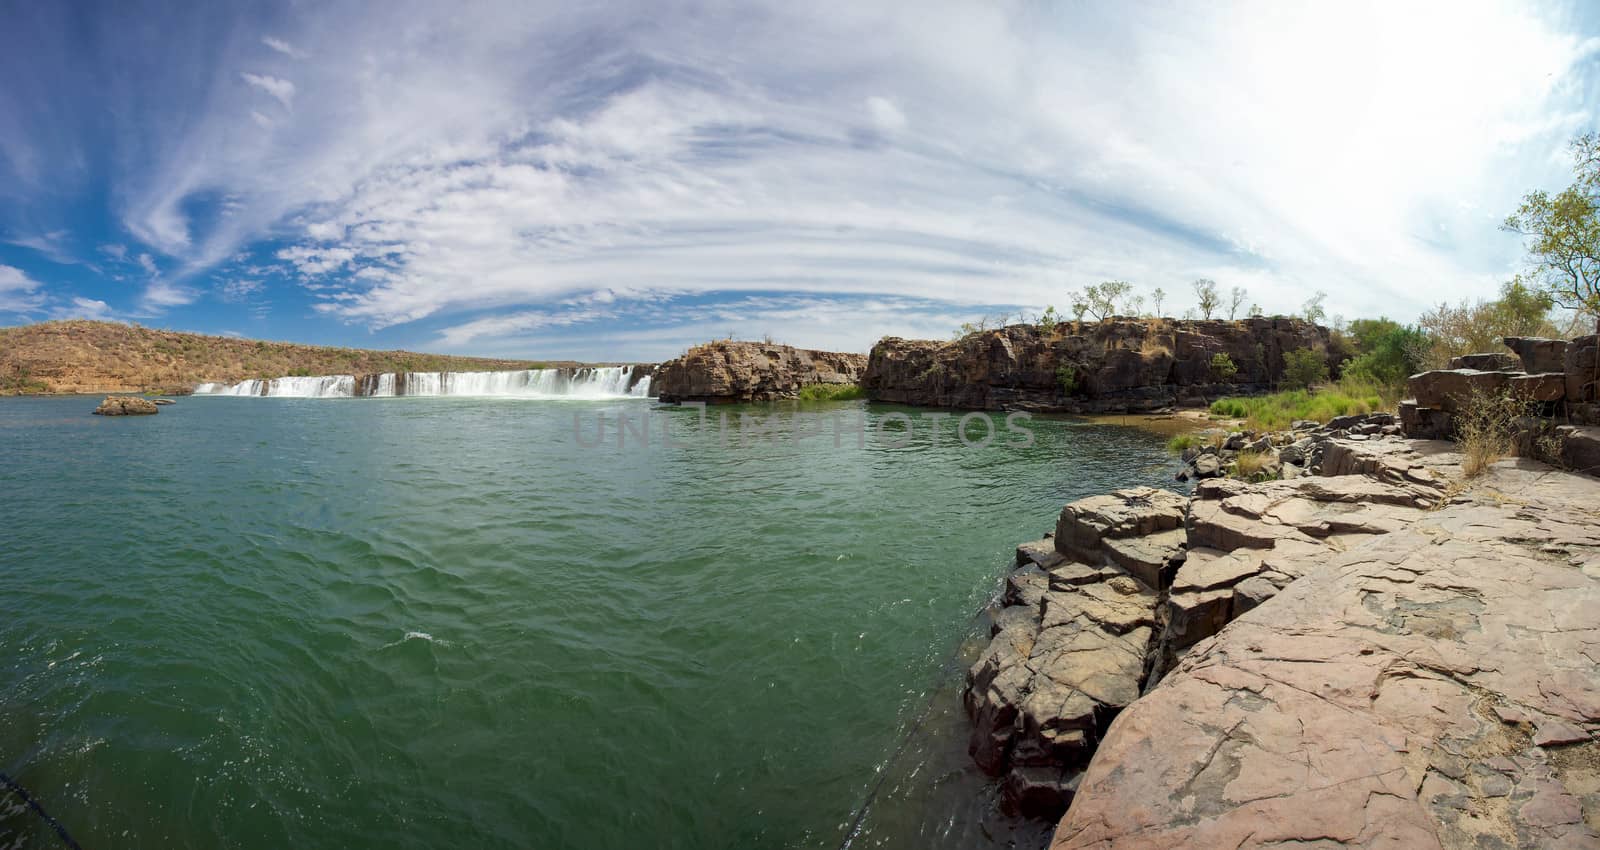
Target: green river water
{"type": "Point", "coordinates": [446, 622]}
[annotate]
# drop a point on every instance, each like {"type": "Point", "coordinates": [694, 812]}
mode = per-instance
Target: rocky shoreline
{"type": "Point", "coordinates": [1410, 661]}
{"type": "Point", "coordinates": [1111, 366]}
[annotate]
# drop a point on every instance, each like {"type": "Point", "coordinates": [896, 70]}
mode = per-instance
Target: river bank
{"type": "Point", "coordinates": [1377, 639]}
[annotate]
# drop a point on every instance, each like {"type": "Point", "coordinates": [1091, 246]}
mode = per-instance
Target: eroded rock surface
{"type": "Point", "coordinates": [122, 405]}
{"type": "Point", "coordinates": [1114, 365]}
{"type": "Point", "coordinates": [728, 371]}
{"type": "Point", "coordinates": [1431, 681]}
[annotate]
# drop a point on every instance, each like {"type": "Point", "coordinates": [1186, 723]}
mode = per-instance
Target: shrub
{"type": "Point", "coordinates": [1067, 377]}
{"type": "Point", "coordinates": [1277, 411]}
{"type": "Point", "coordinates": [832, 392]}
{"type": "Point", "coordinates": [1183, 442]}
{"type": "Point", "coordinates": [1304, 367]}
{"type": "Point", "coordinates": [1222, 367]}
{"type": "Point", "coordinates": [1251, 466]}
{"type": "Point", "coordinates": [1486, 429]}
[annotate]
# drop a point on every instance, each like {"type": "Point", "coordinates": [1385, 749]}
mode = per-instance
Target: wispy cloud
{"type": "Point", "coordinates": [280, 89]}
{"type": "Point", "coordinates": [484, 168]}
{"type": "Point", "coordinates": [284, 47]}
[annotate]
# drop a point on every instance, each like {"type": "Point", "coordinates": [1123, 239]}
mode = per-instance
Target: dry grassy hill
{"type": "Point", "coordinates": [84, 357]}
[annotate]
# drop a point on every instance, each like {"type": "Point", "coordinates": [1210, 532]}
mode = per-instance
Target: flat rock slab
{"type": "Point", "coordinates": [1126, 513]}
{"type": "Point", "coordinates": [1395, 696]}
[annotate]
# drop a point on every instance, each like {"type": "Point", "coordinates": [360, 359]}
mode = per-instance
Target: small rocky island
{"type": "Point", "coordinates": [727, 371]}
{"type": "Point", "coordinates": [122, 405]}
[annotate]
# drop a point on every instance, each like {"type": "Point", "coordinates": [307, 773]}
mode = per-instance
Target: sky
{"type": "Point", "coordinates": [621, 180]}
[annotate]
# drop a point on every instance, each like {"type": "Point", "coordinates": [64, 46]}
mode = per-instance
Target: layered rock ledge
{"type": "Point", "coordinates": [1118, 365]}
{"type": "Point", "coordinates": [1370, 657]}
{"type": "Point", "coordinates": [728, 371]}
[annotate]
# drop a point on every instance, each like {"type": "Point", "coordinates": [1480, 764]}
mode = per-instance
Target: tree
{"type": "Point", "coordinates": [1476, 326]}
{"type": "Point", "coordinates": [1048, 320]}
{"type": "Point", "coordinates": [1312, 310]}
{"type": "Point", "coordinates": [1387, 352]}
{"type": "Point", "coordinates": [1100, 300]}
{"type": "Point", "coordinates": [1255, 311]}
{"type": "Point", "coordinates": [1156, 298]}
{"type": "Point", "coordinates": [1304, 367]}
{"type": "Point", "coordinates": [1563, 234]}
{"type": "Point", "coordinates": [1235, 298]}
{"type": "Point", "coordinates": [1205, 290]}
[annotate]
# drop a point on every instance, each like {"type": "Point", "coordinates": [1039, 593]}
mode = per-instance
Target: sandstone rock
{"type": "Point", "coordinates": [1580, 449]}
{"type": "Point", "coordinates": [727, 371]}
{"type": "Point", "coordinates": [1494, 361]}
{"type": "Point", "coordinates": [121, 405]}
{"type": "Point", "coordinates": [1357, 707]}
{"type": "Point", "coordinates": [1040, 552]}
{"type": "Point", "coordinates": [1250, 593]}
{"type": "Point", "coordinates": [1543, 387]}
{"type": "Point", "coordinates": [1445, 389]}
{"type": "Point", "coordinates": [1146, 557]}
{"type": "Point", "coordinates": [1125, 513]}
{"type": "Point", "coordinates": [162, 401]}
{"type": "Point", "coordinates": [1537, 354]}
{"type": "Point", "coordinates": [1580, 362]}
{"type": "Point", "coordinates": [1207, 466]}
{"type": "Point", "coordinates": [1115, 365]}
{"type": "Point", "coordinates": [1424, 423]}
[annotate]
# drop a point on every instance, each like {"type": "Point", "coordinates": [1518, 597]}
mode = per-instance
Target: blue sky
{"type": "Point", "coordinates": [621, 180]}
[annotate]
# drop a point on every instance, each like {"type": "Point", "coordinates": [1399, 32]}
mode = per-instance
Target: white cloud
{"type": "Point", "coordinates": [84, 308]}
{"type": "Point", "coordinates": [148, 263]}
{"type": "Point", "coordinates": [18, 292]}
{"type": "Point", "coordinates": [284, 47]}
{"type": "Point", "coordinates": [281, 89]}
{"type": "Point", "coordinates": [886, 115]}
{"type": "Point", "coordinates": [161, 295]}
{"type": "Point", "coordinates": [453, 161]}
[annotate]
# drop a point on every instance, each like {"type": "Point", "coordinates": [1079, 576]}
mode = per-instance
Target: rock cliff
{"type": "Point", "coordinates": [1371, 657]}
{"type": "Point", "coordinates": [1112, 366]}
{"type": "Point", "coordinates": [728, 371]}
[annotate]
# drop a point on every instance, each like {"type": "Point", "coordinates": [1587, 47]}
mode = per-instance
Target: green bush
{"type": "Point", "coordinates": [1222, 367]}
{"type": "Point", "coordinates": [1303, 368]}
{"type": "Point", "coordinates": [832, 392]}
{"type": "Point", "coordinates": [1276, 412]}
{"type": "Point", "coordinates": [1177, 445]}
{"type": "Point", "coordinates": [1067, 377]}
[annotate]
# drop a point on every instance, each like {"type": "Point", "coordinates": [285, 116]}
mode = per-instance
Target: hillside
{"type": "Point", "coordinates": [82, 356]}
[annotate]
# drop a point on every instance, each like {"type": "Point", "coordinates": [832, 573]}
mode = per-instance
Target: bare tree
{"type": "Point", "coordinates": [1205, 290]}
{"type": "Point", "coordinates": [1156, 298]}
{"type": "Point", "coordinates": [1236, 299]}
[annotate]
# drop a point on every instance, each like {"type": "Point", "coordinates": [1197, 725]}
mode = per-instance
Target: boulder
{"type": "Point", "coordinates": [1494, 361]}
{"type": "Point", "coordinates": [726, 371]}
{"type": "Point", "coordinates": [1424, 423]}
{"type": "Point", "coordinates": [1541, 387]}
{"type": "Point", "coordinates": [1580, 362]}
{"type": "Point", "coordinates": [122, 405]}
{"type": "Point", "coordinates": [1537, 354]}
{"type": "Point", "coordinates": [1125, 513]}
{"type": "Point", "coordinates": [1447, 388]}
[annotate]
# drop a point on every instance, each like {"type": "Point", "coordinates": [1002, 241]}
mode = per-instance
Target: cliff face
{"type": "Point", "coordinates": [1116, 365]}
{"type": "Point", "coordinates": [727, 371]}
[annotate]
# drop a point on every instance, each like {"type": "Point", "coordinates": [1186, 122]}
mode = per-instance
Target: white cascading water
{"type": "Point", "coordinates": [599, 382]}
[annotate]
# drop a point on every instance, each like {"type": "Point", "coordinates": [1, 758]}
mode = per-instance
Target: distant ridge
{"type": "Point", "coordinates": [81, 356]}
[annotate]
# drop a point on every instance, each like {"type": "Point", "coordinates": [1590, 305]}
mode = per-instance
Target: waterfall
{"type": "Point", "coordinates": [594, 382]}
